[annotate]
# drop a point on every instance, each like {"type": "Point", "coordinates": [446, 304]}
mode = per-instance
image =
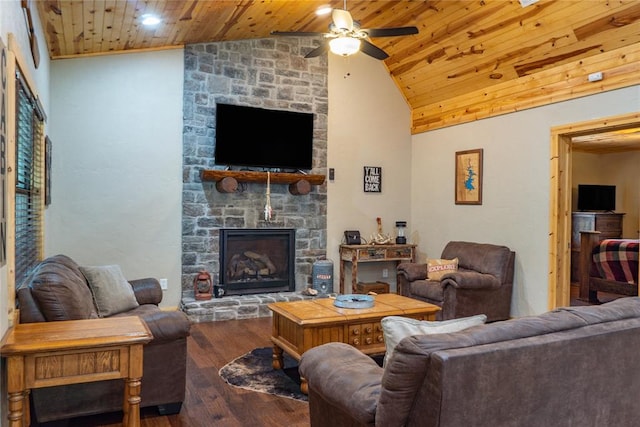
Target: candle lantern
{"type": "Point", "coordinates": [202, 285]}
{"type": "Point", "coordinates": [401, 226]}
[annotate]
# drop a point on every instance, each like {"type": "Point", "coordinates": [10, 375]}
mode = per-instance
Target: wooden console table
{"type": "Point", "coordinates": [47, 354]}
{"type": "Point", "coordinates": [372, 253]}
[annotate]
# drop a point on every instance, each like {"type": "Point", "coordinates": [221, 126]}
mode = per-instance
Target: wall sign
{"type": "Point", "coordinates": [3, 153]}
{"type": "Point", "coordinates": [372, 179]}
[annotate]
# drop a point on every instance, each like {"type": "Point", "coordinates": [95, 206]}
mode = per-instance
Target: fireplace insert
{"type": "Point", "coordinates": [257, 260]}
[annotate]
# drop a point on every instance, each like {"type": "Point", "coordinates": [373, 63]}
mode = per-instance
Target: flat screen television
{"type": "Point", "coordinates": [596, 197]}
{"type": "Point", "coordinates": [263, 138]}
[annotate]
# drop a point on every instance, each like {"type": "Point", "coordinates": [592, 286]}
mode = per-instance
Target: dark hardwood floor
{"type": "Point", "coordinates": [210, 401]}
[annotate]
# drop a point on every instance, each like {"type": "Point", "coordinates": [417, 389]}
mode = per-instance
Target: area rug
{"type": "Point", "coordinates": [254, 371]}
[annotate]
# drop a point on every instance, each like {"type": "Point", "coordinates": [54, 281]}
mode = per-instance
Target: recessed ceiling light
{"type": "Point", "coordinates": [149, 20]}
{"type": "Point", "coordinates": [324, 10]}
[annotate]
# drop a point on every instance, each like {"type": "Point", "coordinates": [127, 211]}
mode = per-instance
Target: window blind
{"type": "Point", "coordinates": [29, 180]}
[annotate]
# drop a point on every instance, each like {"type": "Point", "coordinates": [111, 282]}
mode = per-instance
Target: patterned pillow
{"type": "Point", "coordinates": [436, 268]}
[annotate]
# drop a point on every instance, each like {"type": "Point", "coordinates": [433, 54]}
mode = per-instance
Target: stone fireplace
{"type": "Point", "coordinates": [254, 261]}
{"type": "Point", "coordinates": [266, 73]}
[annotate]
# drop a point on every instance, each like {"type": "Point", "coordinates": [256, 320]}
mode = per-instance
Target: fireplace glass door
{"type": "Point", "coordinates": [257, 261]}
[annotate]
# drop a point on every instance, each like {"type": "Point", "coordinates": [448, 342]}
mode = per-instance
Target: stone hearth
{"type": "Point", "coordinates": [235, 307]}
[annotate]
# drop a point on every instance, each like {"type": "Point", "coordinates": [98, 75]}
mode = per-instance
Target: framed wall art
{"type": "Point", "coordinates": [469, 177]}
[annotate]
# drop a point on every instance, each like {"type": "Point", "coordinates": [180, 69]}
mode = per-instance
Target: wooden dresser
{"type": "Point", "coordinates": [607, 223]}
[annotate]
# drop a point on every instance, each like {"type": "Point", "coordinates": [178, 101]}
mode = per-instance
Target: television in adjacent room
{"type": "Point", "coordinates": [596, 197]}
{"type": "Point", "coordinates": [263, 138]}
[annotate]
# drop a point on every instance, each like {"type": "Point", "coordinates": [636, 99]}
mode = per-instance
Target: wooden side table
{"type": "Point", "coordinates": [372, 253]}
{"type": "Point", "coordinates": [49, 354]}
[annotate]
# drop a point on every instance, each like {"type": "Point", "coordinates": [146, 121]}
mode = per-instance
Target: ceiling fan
{"type": "Point", "coordinates": [345, 37]}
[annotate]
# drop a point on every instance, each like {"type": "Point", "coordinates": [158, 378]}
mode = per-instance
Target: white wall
{"type": "Point", "coordinates": [369, 125]}
{"type": "Point", "coordinates": [515, 209]}
{"type": "Point", "coordinates": [117, 164]}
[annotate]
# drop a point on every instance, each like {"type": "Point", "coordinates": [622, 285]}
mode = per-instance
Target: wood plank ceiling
{"type": "Point", "coordinates": [465, 52]}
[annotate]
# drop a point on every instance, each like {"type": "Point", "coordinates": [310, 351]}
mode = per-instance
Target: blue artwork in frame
{"type": "Point", "coordinates": [469, 177]}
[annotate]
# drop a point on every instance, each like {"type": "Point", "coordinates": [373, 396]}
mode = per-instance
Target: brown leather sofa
{"type": "Point", "coordinates": [574, 366]}
{"type": "Point", "coordinates": [483, 283]}
{"type": "Point", "coordinates": [57, 290]}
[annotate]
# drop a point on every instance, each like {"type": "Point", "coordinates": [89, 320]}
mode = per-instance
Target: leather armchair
{"type": "Point", "coordinates": [482, 284]}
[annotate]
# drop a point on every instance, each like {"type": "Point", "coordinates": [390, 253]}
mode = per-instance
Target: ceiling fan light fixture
{"type": "Point", "coordinates": [344, 46]}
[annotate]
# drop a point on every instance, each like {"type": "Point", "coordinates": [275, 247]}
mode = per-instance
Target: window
{"type": "Point", "coordinates": [29, 180]}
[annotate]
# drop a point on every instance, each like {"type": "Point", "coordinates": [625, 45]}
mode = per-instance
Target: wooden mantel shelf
{"type": "Point", "coordinates": [258, 177]}
{"type": "Point", "coordinates": [226, 180]}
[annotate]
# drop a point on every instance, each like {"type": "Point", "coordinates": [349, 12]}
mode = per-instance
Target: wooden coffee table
{"type": "Point", "coordinates": [301, 325]}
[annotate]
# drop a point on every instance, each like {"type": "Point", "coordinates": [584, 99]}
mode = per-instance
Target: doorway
{"type": "Point", "coordinates": [560, 197]}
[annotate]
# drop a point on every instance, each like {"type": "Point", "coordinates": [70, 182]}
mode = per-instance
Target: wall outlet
{"type": "Point", "coordinates": [385, 272]}
{"type": "Point", "coordinates": [164, 284]}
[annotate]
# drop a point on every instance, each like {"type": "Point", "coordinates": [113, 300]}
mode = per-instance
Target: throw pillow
{"type": "Point", "coordinates": [436, 268]}
{"type": "Point", "coordinates": [395, 328]}
{"type": "Point", "coordinates": [112, 293]}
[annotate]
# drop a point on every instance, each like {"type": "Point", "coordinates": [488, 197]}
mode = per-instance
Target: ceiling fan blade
{"type": "Point", "coordinates": [342, 19]}
{"type": "Point", "coordinates": [372, 50]}
{"type": "Point", "coordinates": [391, 32]}
{"type": "Point", "coordinates": [296, 33]}
{"type": "Point", "coordinates": [320, 50]}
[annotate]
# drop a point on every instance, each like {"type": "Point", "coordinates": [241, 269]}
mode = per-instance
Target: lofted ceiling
{"type": "Point", "coordinates": [463, 47]}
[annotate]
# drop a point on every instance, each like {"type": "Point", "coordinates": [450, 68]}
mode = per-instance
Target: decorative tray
{"type": "Point", "coordinates": [353, 301]}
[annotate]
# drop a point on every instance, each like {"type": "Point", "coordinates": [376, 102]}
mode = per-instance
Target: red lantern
{"type": "Point", "coordinates": [202, 285]}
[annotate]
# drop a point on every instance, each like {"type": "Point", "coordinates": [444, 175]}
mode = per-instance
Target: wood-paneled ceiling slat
{"type": "Point", "coordinates": [76, 28]}
{"type": "Point", "coordinates": [106, 31]}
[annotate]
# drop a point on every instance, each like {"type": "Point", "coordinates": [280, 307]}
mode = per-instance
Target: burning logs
{"type": "Point", "coordinates": [250, 264]}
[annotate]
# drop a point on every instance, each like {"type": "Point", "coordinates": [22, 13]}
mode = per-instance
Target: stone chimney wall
{"type": "Point", "coordinates": [267, 73]}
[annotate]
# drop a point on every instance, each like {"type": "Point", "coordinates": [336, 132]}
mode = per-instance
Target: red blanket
{"type": "Point", "coordinates": [617, 260]}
